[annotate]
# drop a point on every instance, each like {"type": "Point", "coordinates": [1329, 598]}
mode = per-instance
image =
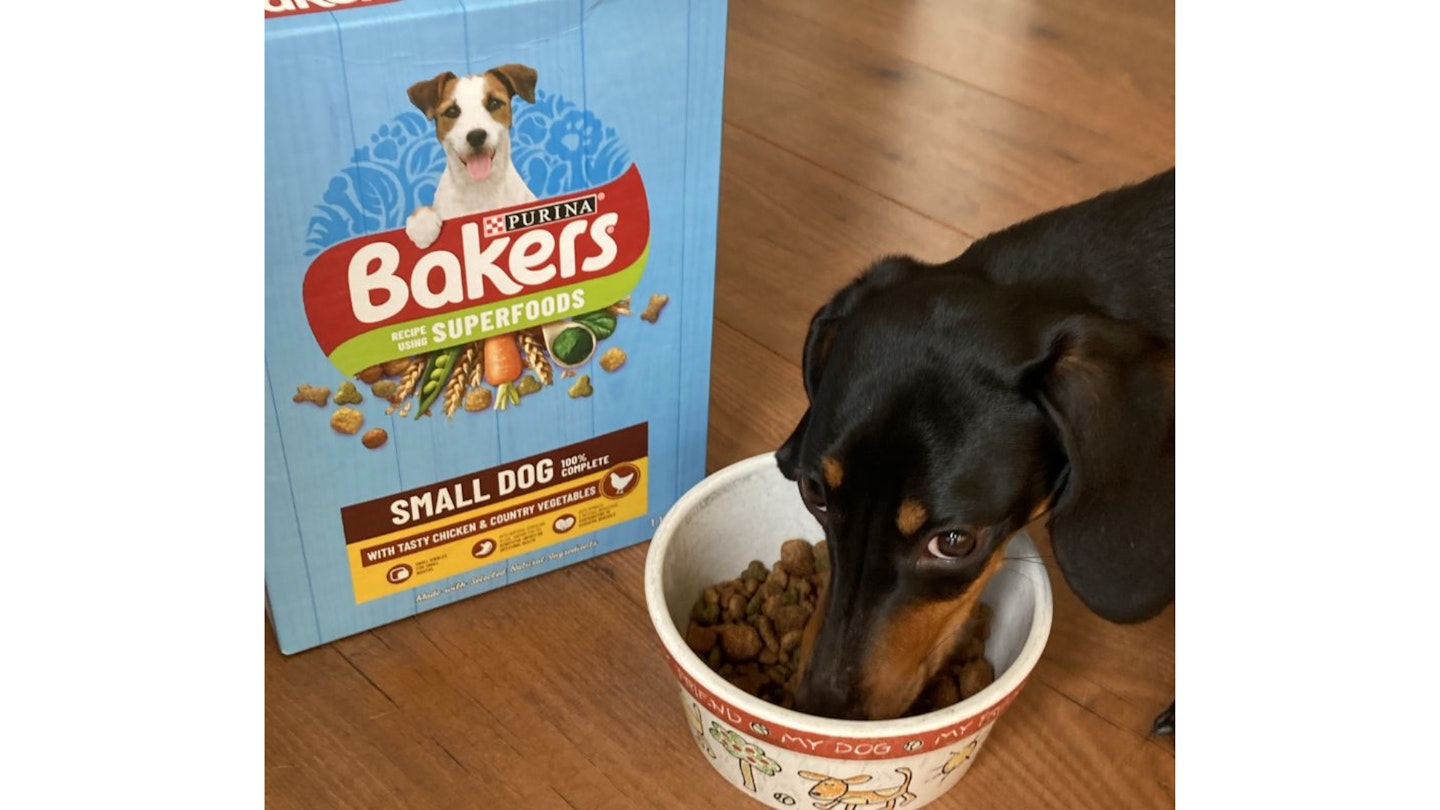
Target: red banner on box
{"type": "Point", "coordinates": [286, 8]}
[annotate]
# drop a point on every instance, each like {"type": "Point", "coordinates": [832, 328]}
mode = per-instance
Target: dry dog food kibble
{"type": "Point", "coordinates": [478, 399]}
{"type": "Point", "coordinates": [582, 387]}
{"type": "Point", "coordinates": [347, 395]}
{"type": "Point", "coordinates": [748, 630]}
{"type": "Point", "coordinates": [347, 420]}
{"type": "Point", "coordinates": [312, 393]}
{"type": "Point", "coordinates": [612, 359]}
{"type": "Point", "coordinates": [396, 367]}
{"type": "Point", "coordinates": [652, 309]}
{"type": "Point", "coordinates": [374, 437]}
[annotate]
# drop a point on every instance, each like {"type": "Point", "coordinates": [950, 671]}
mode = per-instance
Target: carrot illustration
{"type": "Point", "coordinates": [503, 367]}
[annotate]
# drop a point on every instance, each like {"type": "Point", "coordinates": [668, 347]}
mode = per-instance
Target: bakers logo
{"type": "Point", "coordinates": [284, 8]}
{"type": "Point", "coordinates": [377, 298]}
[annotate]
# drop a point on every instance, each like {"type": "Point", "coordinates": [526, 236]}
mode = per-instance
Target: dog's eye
{"type": "Point", "coordinates": [813, 493]}
{"type": "Point", "coordinates": [492, 104]}
{"type": "Point", "coordinates": [952, 545]}
{"type": "Point", "coordinates": [453, 111]}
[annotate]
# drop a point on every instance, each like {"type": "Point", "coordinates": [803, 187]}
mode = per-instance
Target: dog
{"type": "Point", "coordinates": [472, 118]}
{"type": "Point", "coordinates": [952, 404]}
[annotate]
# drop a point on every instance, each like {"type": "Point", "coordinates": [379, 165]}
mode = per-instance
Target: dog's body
{"type": "Point", "coordinates": [472, 118]}
{"type": "Point", "coordinates": [952, 404]}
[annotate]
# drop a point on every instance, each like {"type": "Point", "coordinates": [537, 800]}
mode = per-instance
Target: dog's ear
{"type": "Point", "coordinates": [821, 338]}
{"type": "Point", "coordinates": [519, 78]}
{"type": "Point", "coordinates": [1110, 390]}
{"type": "Point", "coordinates": [426, 94]}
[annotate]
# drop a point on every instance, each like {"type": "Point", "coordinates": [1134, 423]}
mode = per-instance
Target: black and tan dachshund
{"type": "Point", "coordinates": [952, 404]}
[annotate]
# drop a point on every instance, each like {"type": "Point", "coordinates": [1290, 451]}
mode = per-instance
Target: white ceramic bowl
{"type": "Point", "coordinates": [783, 758]}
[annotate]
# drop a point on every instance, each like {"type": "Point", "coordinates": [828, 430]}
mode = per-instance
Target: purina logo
{"type": "Point", "coordinates": [541, 215]}
{"type": "Point", "coordinates": [284, 8]}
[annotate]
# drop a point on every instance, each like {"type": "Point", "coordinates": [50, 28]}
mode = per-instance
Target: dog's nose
{"type": "Point", "coordinates": [475, 137]}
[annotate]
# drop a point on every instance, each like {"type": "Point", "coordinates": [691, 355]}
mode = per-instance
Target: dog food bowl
{"type": "Point", "coordinates": [780, 757]}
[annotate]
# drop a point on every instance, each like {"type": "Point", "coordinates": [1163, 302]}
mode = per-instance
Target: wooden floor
{"type": "Point", "coordinates": [852, 128]}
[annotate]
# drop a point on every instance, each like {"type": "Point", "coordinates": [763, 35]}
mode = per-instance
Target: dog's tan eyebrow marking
{"type": "Point", "coordinates": [834, 473]}
{"type": "Point", "coordinates": [911, 516]}
{"type": "Point", "coordinates": [498, 88]}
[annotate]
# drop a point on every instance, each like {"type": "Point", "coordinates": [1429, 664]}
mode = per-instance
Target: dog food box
{"type": "Point", "coordinates": [489, 282]}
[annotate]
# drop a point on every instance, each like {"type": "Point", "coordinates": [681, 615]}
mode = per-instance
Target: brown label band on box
{"type": "Point", "coordinates": [425, 506]}
{"type": "Point", "coordinates": [434, 537]}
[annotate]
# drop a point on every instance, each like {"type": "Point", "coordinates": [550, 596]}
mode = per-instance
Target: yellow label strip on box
{"type": "Point", "coordinates": [496, 531]}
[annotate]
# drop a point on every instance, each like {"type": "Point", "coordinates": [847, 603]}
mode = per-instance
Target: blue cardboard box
{"type": "Point", "coordinates": [489, 282]}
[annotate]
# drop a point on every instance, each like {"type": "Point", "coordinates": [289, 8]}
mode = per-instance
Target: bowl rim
{"type": "Point", "coordinates": [679, 652]}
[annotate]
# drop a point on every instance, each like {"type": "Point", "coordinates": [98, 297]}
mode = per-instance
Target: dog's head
{"type": "Point", "coordinates": [472, 114]}
{"type": "Point", "coordinates": [945, 414]}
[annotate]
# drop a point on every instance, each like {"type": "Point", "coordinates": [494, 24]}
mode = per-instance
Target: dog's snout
{"type": "Point", "coordinates": [476, 138]}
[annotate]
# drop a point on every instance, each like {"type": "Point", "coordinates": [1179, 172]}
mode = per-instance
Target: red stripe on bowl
{"type": "Point", "coordinates": [861, 748]}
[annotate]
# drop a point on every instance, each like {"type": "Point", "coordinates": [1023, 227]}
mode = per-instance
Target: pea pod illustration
{"type": "Point", "coordinates": [432, 380]}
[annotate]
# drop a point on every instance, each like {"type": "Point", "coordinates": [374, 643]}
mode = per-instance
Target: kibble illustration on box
{"type": "Point", "coordinates": [489, 283]}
